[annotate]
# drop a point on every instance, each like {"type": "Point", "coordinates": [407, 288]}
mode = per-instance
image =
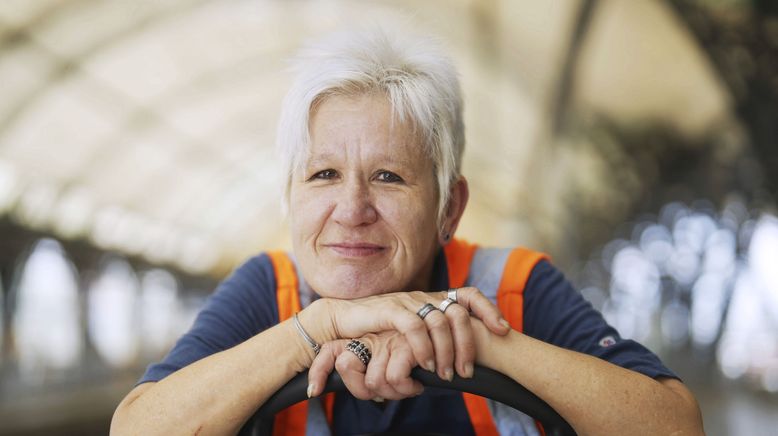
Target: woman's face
{"type": "Point", "coordinates": [363, 205]}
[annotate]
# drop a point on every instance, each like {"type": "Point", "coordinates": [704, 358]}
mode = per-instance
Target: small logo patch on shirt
{"type": "Point", "coordinates": [607, 341]}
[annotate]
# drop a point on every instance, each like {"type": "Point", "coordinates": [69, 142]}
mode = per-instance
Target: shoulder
{"type": "Point", "coordinates": [257, 270]}
{"type": "Point", "coordinates": [545, 276]}
{"type": "Point", "coordinates": [248, 289]}
{"type": "Point", "coordinates": [552, 306]}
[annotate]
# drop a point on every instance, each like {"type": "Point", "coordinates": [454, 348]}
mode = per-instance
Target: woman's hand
{"type": "Point", "coordinates": [387, 375]}
{"type": "Point", "coordinates": [441, 341]}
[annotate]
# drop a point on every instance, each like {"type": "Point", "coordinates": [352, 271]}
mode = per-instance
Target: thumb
{"type": "Point", "coordinates": [322, 366]}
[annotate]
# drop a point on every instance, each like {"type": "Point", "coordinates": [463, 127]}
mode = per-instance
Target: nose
{"type": "Point", "coordinates": [355, 206]}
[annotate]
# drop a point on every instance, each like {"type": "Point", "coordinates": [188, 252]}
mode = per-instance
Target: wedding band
{"type": "Point", "coordinates": [425, 310]}
{"type": "Point", "coordinates": [360, 350]}
{"type": "Point", "coordinates": [452, 295]}
{"type": "Point", "coordinates": [445, 303]}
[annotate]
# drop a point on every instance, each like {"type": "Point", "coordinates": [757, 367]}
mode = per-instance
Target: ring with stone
{"type": "Point", "coordinates": [360, 350]}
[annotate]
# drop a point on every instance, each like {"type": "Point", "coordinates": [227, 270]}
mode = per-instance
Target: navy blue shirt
{"type": "Point", "coordinates": [245, 304]}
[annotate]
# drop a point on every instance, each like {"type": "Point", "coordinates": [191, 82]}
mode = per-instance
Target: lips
{"type": "Point", "coordinates": [355, 249]}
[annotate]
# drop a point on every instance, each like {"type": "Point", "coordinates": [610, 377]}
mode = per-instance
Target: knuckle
{"type": "Point", "coordinates": [342, 365]}
{"type": "Point", "coordinates": [417, 295]}
{"type": "Point", "coordinates": [437, 322]}
{"type": "Point", "coordinates": [372, 382]}
{"type": "Point", "coordinates": [457, 313]}
{"type": "Point", "coordinates": [417, 326]}
{"type": "Point", "coordinates": [473, 294]}
{"type": "Point", "coordinates": [328, 347]}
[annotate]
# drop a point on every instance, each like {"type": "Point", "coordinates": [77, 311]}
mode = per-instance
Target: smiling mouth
{"type": "Point", "coordinates": [357, 249]}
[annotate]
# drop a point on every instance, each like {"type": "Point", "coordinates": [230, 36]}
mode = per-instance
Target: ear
{"type": "Point", "coordinates": [454, 210]}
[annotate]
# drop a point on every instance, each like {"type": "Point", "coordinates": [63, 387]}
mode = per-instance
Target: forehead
{"type": "Point", "coordinates": [365, 124]}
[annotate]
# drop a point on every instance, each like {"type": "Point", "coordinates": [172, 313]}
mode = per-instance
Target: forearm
{"type": "Point", "coordinates": [217, 394]}
{"type": "Point", "coordinates": [594, 396]}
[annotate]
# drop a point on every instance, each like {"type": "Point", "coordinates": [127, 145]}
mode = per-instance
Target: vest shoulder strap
{"type": "Point", "coordinates": [510, 293]}
{"type": "Point", "coordinates": [459, 255]}
{"type": "Point", "coordinates": [501, 274]}
{"type": "Point", "coordinates": [292, 420]}
{"type": "Point", "coordinates": [287, 294]}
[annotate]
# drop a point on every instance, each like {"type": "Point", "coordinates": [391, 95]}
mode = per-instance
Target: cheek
{"type": "Point", "coordinates": [306, 214]}
{"type": "Point", "coordinates": [412, 219]}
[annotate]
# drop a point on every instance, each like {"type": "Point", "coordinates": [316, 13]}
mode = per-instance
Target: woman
{"type": "Point", "coordinates": [372, 137]}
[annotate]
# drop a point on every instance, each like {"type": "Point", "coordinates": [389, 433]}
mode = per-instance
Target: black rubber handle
{"type": "Point", "coordinates": [485, 382]}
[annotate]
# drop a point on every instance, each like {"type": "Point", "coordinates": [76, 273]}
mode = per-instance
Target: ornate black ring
{"type": "Point", "coordinates": [360, 350]}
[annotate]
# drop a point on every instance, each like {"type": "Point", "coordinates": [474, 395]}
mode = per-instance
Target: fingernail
{"type": "Point", "coordinates": [421, 391]}
{"type": "Point", "coordinates": [378, 400]}
{"type": "Point", "coordinates": [468, 370]}
{"type": "Point", "coordinates": [448, 374]}
{"type": "Point", "coordinates": [430, 365]}
{"type": "Point", "coordinates": [311, 387]}
{"type": "Point", "coordinates": [504, 323]}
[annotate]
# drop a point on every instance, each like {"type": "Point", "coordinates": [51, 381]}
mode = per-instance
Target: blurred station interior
{"type": "Point", "coordinates": [634, 141]}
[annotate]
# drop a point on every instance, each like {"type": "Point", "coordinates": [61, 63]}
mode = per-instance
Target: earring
{"type": "Point", "coordinates": [446, 237]}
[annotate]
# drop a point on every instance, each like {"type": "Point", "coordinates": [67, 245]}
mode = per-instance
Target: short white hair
{"type": "Point", "coordinates": [419, 80]}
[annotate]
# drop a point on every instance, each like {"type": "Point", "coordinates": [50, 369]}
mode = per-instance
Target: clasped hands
{"type": "Point", "coordinates": [399, 340]}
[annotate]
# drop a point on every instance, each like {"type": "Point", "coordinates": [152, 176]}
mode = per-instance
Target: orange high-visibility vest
{"type": "Point", "coordinates": [499, 273]}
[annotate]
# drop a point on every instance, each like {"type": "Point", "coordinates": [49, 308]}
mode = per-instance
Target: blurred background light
{"type": "Point", "coordinates": [159, 312]}
{"type": "Point", "coordinates": [113, 313]}
{"type": "Point", "coordinates": [47, 315]}
{"type": "Point", "coordinates": [763, 256]}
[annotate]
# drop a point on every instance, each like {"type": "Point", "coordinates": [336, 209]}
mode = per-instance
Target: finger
{"type": "Point", "coordinates": [473, 300]}
{"type": "Point", "coordinates": [443, 344]}
{"type": "Point", "coordinates": [352, 371]}
{"type": "Point", "coordinates": [464, 339]}
{"type": "Point", "coordinates": [375, 377]}
{"type": "Point", "coordinates": [322, 366]}
{"type": "Point", "coordinates": [383, 313]}
{"type": "Point", "coordinates": [419, 338]}
{"type": "Point", "coordinates": [398, 373]}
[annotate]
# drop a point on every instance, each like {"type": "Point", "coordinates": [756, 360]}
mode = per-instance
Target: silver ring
{"type": "Point", "coordinates": [445, 303]}
{"type": "Point", "coordinates": [452, 295]}
{"type": "Point", "coordinates": [360, 350]}
{"type": "Point", "coordinates": [425, 310]}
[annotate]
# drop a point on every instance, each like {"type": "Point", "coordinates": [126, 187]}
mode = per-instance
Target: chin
{"type": "Point", "coordinates": [350, 288]}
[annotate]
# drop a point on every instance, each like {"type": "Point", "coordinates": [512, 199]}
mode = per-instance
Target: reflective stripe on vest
{"type": "Point", "coordinates": [500, 274]}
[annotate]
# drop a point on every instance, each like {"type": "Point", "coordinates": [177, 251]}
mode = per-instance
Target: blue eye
{"type": "Point", "coordinates": [388, 177]}
{"type": "Point", "coordinates": [325, 175]}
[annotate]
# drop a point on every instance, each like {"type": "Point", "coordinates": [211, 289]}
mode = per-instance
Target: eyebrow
{"type": "Point", "coordinates": [325, 158]}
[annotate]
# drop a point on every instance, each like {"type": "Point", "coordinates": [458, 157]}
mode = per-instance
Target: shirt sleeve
{"type": "Point", "coordinates": [243, 305]}
{"type": "Point", "coordinates": [556, 313]}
